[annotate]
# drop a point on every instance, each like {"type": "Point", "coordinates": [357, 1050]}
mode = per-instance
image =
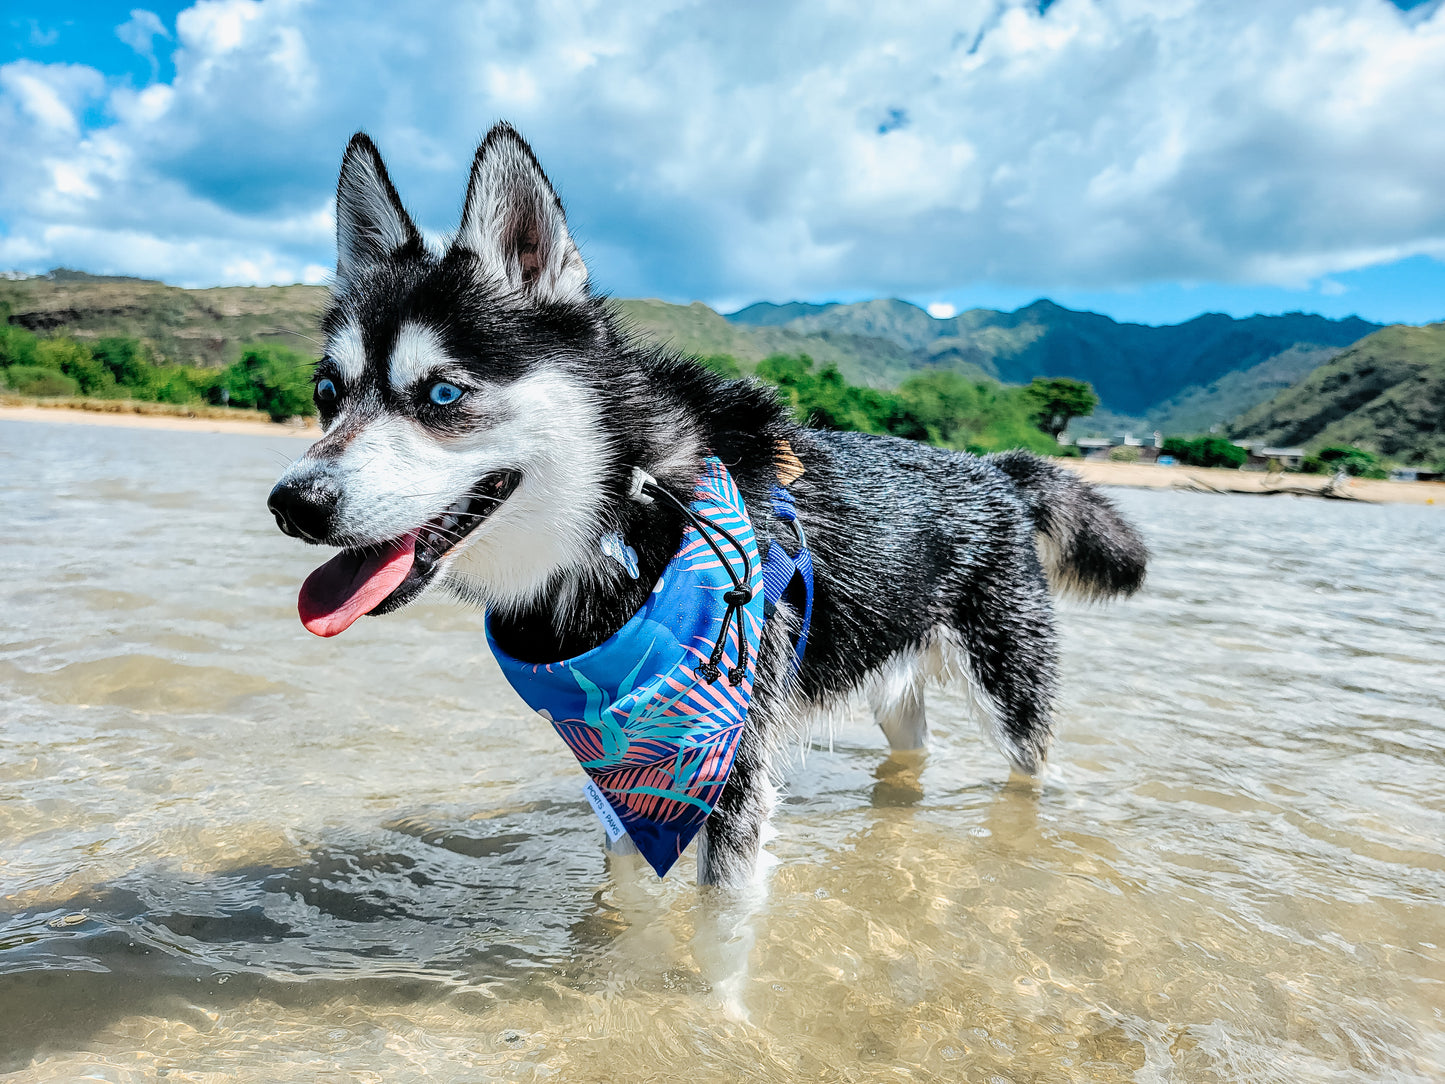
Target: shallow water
{"type": "Point", "coordinates": [231, 850]}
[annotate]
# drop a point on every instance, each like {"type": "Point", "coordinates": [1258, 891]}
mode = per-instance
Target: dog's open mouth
{"type": "Point", "coordinates": [381, 578]}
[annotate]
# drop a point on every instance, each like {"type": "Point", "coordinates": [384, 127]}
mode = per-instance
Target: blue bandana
{"type": "Point", "coordinates": [656, 739]}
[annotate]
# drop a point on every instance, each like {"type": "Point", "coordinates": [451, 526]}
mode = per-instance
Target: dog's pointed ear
{"type": "Point", "coordinates": [514, 224]}
{"type": "Point", "coordinates": [371, 223]}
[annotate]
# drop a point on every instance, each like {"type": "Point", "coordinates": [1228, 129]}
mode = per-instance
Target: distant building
{"type": "Point", "coordinates": [1262, 457]}
{"type": "Point", "coordinates": [1094, 447]}
{"type": "Point", "coordinates": [1415, 474]}
{"type": "Point", "coordinates": [1100, 447]}
{"type": "Point", "coordinates": [1266, 458]}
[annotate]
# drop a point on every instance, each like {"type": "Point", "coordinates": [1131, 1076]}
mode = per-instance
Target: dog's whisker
{"type": "Point", "coordinates": [277, 329]}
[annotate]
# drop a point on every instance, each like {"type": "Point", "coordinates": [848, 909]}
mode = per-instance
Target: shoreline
{"type": "Point", "coordinates": [123, 413]}
{"type": "Point", "coordinates": [1100, 472]}
{"type": "Point", "coordinates": [1257, 483]}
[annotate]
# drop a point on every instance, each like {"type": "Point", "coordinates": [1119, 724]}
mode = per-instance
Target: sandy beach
{"type": "Point", "coordinates": [123, 413]}
{"type": "Point", "coordinates": [1216, 480]}
{"type": "Point", "coordinates": [1134, 475]}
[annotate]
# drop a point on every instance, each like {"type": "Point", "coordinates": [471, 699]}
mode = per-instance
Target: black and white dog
{"type": "Point", "coordinates": [483, 414]}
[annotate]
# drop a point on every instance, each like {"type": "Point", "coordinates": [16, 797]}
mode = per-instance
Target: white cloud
{"type": "Point", "coordinates": [789, 152]}
{"type": "Point", "coordinates": [141, 30]}
{"type": "Point", "coordinates": [48, 97]}
{"type": "Point", "coordinates": [942, 310]}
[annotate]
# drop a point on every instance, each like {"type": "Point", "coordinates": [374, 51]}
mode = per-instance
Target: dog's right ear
{"type": "Point", "coordinates": [513, 223]}
{"type": "Point", "coordinates": [371, 223]}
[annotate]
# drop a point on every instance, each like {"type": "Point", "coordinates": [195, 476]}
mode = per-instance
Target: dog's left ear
{"type": "Point", "coordinates": [513, 222]}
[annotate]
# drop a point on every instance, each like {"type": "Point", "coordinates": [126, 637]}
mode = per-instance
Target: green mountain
{"type": "Point", "coordinates": [1386, 393]}
{"type": "Point", "coordinates": [1134, 367]}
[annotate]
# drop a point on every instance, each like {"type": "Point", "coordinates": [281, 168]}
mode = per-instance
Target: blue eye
{"type": "Point", "coordinates": [444, 394]}
{"type": "Point", "coordinates": [325, 391]}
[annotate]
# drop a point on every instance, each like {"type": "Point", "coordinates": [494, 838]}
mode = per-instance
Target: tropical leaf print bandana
{"type": "Point", "coordinates": [655, 738]}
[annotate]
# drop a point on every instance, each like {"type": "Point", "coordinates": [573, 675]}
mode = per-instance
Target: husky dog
{"type": "Point", "coordinates": [483, 413]}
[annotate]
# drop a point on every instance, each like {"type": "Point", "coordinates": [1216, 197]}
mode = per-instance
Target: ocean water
{"type": "Point", "coordinates": [229, 850]}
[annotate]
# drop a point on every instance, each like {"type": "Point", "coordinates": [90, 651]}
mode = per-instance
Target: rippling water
{"type": "Point", "coordinates": [229, 849]}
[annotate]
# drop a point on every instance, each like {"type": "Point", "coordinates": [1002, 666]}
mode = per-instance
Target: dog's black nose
{"type": "Point", "coordinates": [305, 508]}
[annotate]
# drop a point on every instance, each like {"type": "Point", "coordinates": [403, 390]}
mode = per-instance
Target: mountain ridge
{"type": "Point", "coordinates": [1133, 367]}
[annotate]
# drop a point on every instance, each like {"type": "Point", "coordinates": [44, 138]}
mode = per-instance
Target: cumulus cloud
{"type": "Point", "coordinates": [736, 152]}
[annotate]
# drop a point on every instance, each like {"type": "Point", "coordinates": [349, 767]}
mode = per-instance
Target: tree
{"type": "Point", "coordinates": [127, 361]}
{"type": "Point", "coordinates": [1057, 400]}
{"type": "Point", "coordinates": [17, 346]}
{"type": "Point", "coordinates": [270, 378]}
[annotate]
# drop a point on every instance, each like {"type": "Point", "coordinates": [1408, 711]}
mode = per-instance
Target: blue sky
{"type": "Point", "coordinates": [1150, 159]}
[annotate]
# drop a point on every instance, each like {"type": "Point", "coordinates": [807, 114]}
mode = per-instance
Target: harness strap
{"type": "Point", "coordinates": [788, 575]}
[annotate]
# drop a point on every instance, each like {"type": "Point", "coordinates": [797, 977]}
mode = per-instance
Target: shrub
{"type": "Point", "coordinates": [1205, 452]}
{"type": "Point", "coordinates": [128, 363]}
{"type": "Point", "coordinates": [40, 380]}
{"type": "Point", "coordinates": [1125, 453]}
{"type": "Point", "coordinates": [175, 384]}
{"type": "Point", "coordinates": [1356, 462]}
{"type": "Point", "coordinates": [77, 362]}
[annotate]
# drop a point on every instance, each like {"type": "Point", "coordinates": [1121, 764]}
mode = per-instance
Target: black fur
{"type": "Point", "coordinates": [914, 547]}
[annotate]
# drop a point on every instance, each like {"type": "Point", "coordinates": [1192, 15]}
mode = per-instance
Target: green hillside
{"type": "Point", "coordinates": [187, 327]}
{"type": "Point", "coordinates": [1199, 409]}
{"type": "Point", "coordinates": [1181, 378]}
{"type": "Point", "coordinates": [1386, 393]}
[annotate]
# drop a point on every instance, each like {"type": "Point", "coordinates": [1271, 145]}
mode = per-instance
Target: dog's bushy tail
{"type": "Point", "coordinates": [1087, 548]}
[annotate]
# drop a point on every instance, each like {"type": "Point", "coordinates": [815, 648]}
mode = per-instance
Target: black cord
{"type": "Point", "coordinates": [740, 595]}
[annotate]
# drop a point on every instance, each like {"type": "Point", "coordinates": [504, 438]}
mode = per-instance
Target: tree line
{"type": "Point", "coordinates": [938, 407]}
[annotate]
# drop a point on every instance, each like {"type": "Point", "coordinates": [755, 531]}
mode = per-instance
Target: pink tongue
{"type": "Point", "coordinates": [351, 584]}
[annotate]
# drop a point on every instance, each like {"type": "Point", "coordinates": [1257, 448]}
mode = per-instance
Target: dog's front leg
{"type": "Point", "coordinates": [730, 842]}
{"type": "Point", "coordinates": [729, 862]}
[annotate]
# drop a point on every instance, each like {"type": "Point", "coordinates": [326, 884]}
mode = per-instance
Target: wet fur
{"type": "Point", "coordinates": [928, 562]}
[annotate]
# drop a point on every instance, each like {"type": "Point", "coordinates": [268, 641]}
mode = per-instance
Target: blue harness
{"type": "Point", "coordinates": [789, 575]}
{"type": "Point", "coordinates": [651, 716]}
